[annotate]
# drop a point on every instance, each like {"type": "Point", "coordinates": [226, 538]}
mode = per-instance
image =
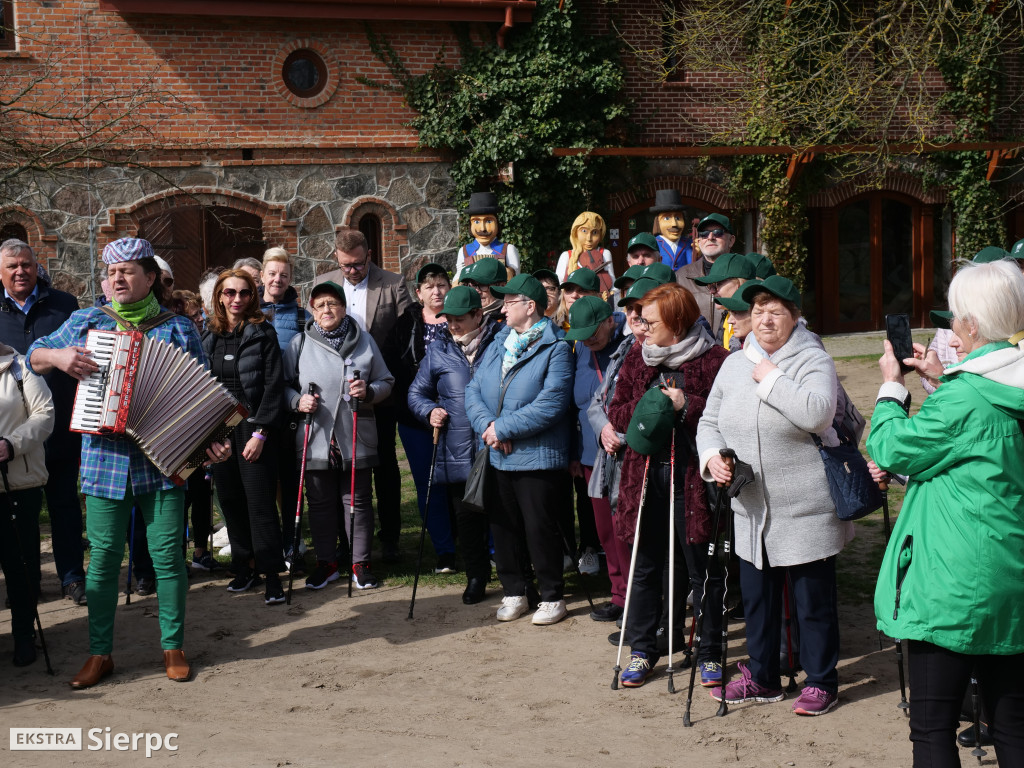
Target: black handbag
{"type": "Point", "coordinates": [480, 483]}
{"type": "Point", "coordinates": [853, 491]}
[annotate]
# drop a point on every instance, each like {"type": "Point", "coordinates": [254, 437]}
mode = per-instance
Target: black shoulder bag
{"type": "Point", "coordinates": [480, 483]}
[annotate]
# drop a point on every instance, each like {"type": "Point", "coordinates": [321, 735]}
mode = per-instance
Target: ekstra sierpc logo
{"type": "Point", "coordinates": [96, 740]}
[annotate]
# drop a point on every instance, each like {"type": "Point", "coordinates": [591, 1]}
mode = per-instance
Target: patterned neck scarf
{"type": "Point", "coordinates": [517, 343]}
{"type": "Point", "coordinates": [337, 336]}
{"type": "Point", "coordinates": [138, 311]}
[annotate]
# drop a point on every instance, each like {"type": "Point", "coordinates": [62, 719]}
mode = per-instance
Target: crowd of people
{"type": "Point", "coordinates": [623, 408]}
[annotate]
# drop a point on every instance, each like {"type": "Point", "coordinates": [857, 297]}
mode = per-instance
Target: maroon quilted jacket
{"type": "Point", "coordinates": [635, 378]}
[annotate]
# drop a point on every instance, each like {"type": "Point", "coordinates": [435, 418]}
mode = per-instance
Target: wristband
{"type": "Point", "coordinates": [259, 436]}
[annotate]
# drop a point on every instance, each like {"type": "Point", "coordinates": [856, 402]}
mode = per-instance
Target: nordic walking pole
{"type": "Point", "coordinates": [702, 604]}
{"type": "Point", "coordinates": [352, 491]}
{"type": "Point", "coordinates": [423, 528]}
{"type": "Point", "coordinates": [298, 504]}
{"type": "Point", "coordinates": [730, 455]}
{"type": "Point", "coordinates": [21, 554]}
{"type": "Point", "coordinates": [978, 752]}
{"type": "Point", "coordinates": [629, 582]}
{"type": "Point", "coordinates": [671, 556]}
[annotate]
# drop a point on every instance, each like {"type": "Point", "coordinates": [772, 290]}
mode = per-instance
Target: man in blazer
{"type": "Point", "coordinates": [715, 235]}
{"type": "Point", "coordinates": [376, 299]}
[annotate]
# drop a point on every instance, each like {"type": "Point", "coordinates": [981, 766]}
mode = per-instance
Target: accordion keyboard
{"type": "Point", "coordinates": [97, 400]}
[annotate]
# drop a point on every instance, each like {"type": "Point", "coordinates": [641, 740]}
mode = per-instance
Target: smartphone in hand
{"type": "Point", "coordinates": [897, 330]}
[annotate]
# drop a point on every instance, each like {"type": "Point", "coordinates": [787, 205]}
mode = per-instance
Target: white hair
{"type": "Point", "coordinates": [248, 261]}
{"type": "Point", "coordinates": [991, 296]}
{"type": "Point", "coordinates": [206, 286]}
{"type": "Point", "coordinates": [17, 246]}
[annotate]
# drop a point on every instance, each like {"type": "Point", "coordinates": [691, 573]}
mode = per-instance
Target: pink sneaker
{"type": "Point", "coordinates": [745, 689]}
{"type": "Point", "coordinates": [815, 701]}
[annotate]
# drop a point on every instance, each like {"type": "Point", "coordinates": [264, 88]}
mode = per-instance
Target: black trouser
{"type": "Point", "coordinates": [526, 516]}
{"type": "Point", "coordinates": [473, 533]}
{"type": "Point", "coordinates": [199, 503]}
{"type": "Point", "coordinates": [585, 516]}
{"type": "Point", "coordinates": [940, 678]}
{"type": "Point", "coordinates": [65, 507]}
{"type": "Point", "coordinates": [817, 612]}
{"type": "Point", "coordinates": [138, 549]}
{"type": "Point", "coordinates": [645, 602]}
{"type": "Point", "coordinates": [21, 566]}
{"type": "Point", "coordinates": [288, 483]}
{"type": "Point", "coordinates": [387, 480]}
{"type": "Point", "coordinates": [697, 561]}
{"type": "Point", "coordinates": [246, 492]}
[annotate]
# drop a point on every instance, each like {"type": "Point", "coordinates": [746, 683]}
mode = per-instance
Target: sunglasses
{"type": "Point", "coordinates": [245, 293]}
{"type": "Point", "coordinates": [707, 233]}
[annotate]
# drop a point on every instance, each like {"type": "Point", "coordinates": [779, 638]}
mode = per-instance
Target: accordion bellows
{"type": "Point", "coordinates": [157, 394]}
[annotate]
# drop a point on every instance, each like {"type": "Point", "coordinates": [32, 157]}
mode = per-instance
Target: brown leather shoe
{"type": "Point", "coordinates": [94, 670]}
{"type": "Point", "coordinates": [178, 668]}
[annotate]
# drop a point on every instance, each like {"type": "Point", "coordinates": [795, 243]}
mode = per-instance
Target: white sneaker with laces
{"type": "Point", "coordinates": [550, 613]}
{"type": "Point", "coordinates": [220, 538]}
{"type": "Point", "coordinates": [512, 608]}
{"type": "Point", "coordinates": [590, 564]}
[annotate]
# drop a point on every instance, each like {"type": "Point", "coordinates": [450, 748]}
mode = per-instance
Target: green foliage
{"type": "Point", "coordinates": [551, 86]}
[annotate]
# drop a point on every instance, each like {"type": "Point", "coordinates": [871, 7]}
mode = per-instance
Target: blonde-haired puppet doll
{"type": "Point", "coordinates": [588, 230]}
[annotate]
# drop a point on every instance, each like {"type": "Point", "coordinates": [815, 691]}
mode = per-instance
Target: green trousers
{"type": "Point", "coordinates": [162, 512]}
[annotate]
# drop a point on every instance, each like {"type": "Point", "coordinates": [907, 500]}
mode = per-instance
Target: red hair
{"type": "Point", "coordinates": [675, 304]}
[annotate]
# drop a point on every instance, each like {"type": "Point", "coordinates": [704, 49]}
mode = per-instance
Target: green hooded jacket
{"type": "Point", "coordinates": [953, 573]}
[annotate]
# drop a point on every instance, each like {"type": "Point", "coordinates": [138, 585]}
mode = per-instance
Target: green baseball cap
{"type": "Point", "coordinates": [644, 238]}
{"type": "Point", "coordinates": [583, 278]}
{"type": "Point", "coordinates": [638, 290]}
{"type": "Point", "coordinates": [485, 271]}
{"type": "Point", "coordinates": [659, 272]}
{"type": "Point", "coordinates": [542, 274]}
{"type": "Point", "coordinates": [733, 303]}
{"type": "Point", "coordinates": [460, 300]}
{"type": "Point", "coordinates": [526, 285]}
{"type": "Point", "coordinates": [776, 285]}
{"type": "Point", "coordinates": [990, 254]}
{"type": "Point", "coordinates": [650, 428]}
{"type": "Point", "coordinates": [728, 266]}
{"type": "Point", "coordinates": [716, 218]}
{"type": "Point", "coordinates": [941, 318]}
{"type": "Point", "coordinates": [763, 266]}
{"type": "Point", "coordinates": [630, 274]}
{"type": "Point", "coordinates": [328, 285]}
{"type": "Point", "coordinates": [1017, 251]}
{"type": "Point", "coordinates": [585, 316]}
{"type": "Point", "coordinates": [430, 269]}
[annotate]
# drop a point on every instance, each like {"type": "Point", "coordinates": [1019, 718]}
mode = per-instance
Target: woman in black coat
{"type": "Point", "coordinates": [245, 357]}
{"type": "Point", "coordinates": [437, 399]}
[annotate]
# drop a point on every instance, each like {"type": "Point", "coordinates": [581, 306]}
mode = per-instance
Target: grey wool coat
{"type": "Point", "coordinates": [309, 358]}
{"type": "Point", "coordinates": [769, 425]}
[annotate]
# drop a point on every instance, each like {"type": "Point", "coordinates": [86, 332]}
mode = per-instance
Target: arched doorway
{"type": "Point", "coordinates": [194, 239]}
{"type": "Point", "coordinates": [877, 258]}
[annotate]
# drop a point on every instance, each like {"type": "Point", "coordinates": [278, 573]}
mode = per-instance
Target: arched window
{"type": "Point", "coordinates": [13, 231]}
{"type": "Point", "coordinates": [371, 227]}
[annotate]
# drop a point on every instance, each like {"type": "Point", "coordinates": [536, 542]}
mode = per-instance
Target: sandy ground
{"type": "Point", "coordinates": [338, 681]}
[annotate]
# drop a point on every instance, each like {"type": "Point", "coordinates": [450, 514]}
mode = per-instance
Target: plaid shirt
{"type": "Point", "coordinates": [109, 464]}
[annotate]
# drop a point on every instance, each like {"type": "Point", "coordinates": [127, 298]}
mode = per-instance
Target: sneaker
{"type": "Point", "coordinates": [446, 563]}
{"type": "Point", "coordinates": [815, 701]}
{"type": "Point", "coordinates": [512, 607]}
{"type": "Point", "coordinates": [710, 673]}
{"type": "Point", "coordinates": [145, 586]}
{"type": "Point", "coordinates": [549, 613]}
{"type": "Point", "coordinates": [220, 538]}
{"type": "Point", "coordinates": [244, 581]}
{"type": "Point", "coordinates": [607, 612]}
{"type": "Point", "coordinates": [363, 577]}
{"type": "Point", "coordinates": [745, 689]}
{"type": "Point", "coordinates": [322, 575]}
{"type": "Point", "coordinates": [75, 592]}
{"type": "Point", "coordinates": [205, 562]}
{"type": "Point", "coordinates": [639, 669]}
{"type": "Point", "coordinates": [590, 564]}
{"type": "Point", "coordinates": [274, 593]}
{"type": "Point", "coordinates": [225, 551]}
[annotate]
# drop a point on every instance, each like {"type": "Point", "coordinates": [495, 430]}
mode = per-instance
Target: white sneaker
{"type": "Point", "coordinates": [512, 608]}
{"type": "Point", "coordinates": [220, 538]}
{"type": "Point", "coordinates": [550, 613]}
{"type": "Point", "coordinates": [590, 564]}
{"type": "Point", "coordinates": [225, 551]}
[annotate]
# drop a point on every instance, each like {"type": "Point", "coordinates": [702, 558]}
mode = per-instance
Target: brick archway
{"type": "Point", "coordinates": [45, 245]}
{"type": "Point", "coordinates": [394, 236]}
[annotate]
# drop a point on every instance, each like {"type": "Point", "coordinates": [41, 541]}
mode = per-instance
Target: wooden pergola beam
{"type": "Point", "coordinates": [822, 149]}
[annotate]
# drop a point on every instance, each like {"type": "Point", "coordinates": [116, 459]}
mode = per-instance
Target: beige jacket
{"type": "Point", "coordinates": [26, 420]}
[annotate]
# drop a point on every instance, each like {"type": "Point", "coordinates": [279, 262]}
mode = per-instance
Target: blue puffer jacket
{"type": "Point", "coordinates": [441, 382]}
{"type": "Point", "coordinates": [288, 317]}
{"type": "Point", "coordinates": [589, 378]}
{"type": "Point", "coordinates": [535, 413]}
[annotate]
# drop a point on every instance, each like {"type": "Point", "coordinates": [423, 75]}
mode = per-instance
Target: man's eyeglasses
{"type": "Point", "coordinates": [355, 267]}
{"type": "Point", "coordinates": [245, 293]}
{"type": "Point", "coordinates": [704, 234]}
{"type": "Point", "coordinates": [325, 305]}
{"type": "Point", "coordinates": [517, 301]}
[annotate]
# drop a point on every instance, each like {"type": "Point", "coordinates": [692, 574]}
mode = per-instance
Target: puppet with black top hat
{"type": "Point", "coordinates": [670, 229]}
{"type": "Point", "coordinates": [484, 226]}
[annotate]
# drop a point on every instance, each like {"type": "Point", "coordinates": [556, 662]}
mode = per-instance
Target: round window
{"type": "Point", "coordinates": [304, 73]}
